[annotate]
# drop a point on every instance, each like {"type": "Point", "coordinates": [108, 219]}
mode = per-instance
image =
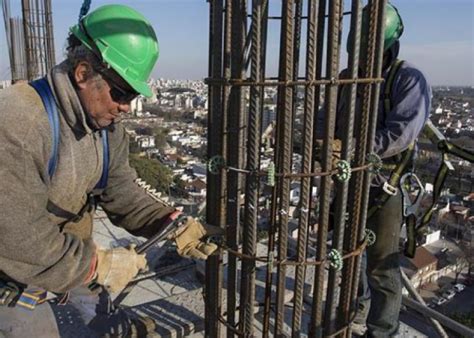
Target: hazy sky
{"type": "Point", "coordinates": [438, 37]}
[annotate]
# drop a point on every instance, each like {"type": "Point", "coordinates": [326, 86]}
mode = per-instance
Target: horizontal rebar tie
{"type": "Point", "coordinates": [290, 83]}
{"type": "Point", "coordinates": [273, 263]}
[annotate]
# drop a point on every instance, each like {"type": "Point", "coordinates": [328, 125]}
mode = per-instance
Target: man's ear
{"type": "Point", "coordinates": [82, 73]}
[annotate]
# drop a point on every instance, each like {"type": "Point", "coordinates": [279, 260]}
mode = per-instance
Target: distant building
{"type": "Point", "coordinates": [269, 115]}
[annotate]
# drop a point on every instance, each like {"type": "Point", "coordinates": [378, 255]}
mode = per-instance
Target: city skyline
{"type": "Point", "coordinates": [438, 36]}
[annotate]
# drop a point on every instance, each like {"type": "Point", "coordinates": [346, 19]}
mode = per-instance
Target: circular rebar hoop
{"type": "Point", "coordinates": [242, 83]}
{"type": "Point", "coordinates": [272, 262]}
{"type": "Point", "coordinates": [266, 173]}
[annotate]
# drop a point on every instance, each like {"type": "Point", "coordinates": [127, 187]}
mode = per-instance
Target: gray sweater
{"type": "Point", "coordinates": [33, 250]}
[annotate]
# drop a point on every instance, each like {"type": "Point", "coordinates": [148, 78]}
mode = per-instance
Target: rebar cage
{"type": "Point", "coordinates": [294, 210]}
{"type": "Point", "coordinates": [30, 39]}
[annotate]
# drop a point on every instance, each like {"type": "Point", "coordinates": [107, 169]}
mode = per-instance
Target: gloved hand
{"type": "Point", "coordinates": [117, 267]}
{"type": "Point", "coordinates": [190, 239]}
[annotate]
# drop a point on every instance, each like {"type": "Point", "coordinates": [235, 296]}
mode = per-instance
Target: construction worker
{"type": "Point", "coordinates": [404, 107]}
{"type": "Point", "coordinates": [47, 202]}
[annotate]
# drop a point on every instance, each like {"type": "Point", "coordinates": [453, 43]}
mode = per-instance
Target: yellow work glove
{"type": "Point", "coordinates": [117, 267]}
{"type": "Point", "coordinates": [190, 239]}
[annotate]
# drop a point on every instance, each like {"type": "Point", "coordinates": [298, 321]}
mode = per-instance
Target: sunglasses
{"type": "Point", "coordinates": [118, 93]}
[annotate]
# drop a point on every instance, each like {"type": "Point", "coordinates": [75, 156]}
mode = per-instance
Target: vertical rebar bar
{"type": "Point", "coordinates": [51, 60]}
{"type": "Point", "coordinates": [347, 96]}
{"type": "Point", "coordinates": [25, 5]}
{"type": "Point", "coordinates": [332, 70]}
{"type": "Point", "coordinates": [215, 201]}
{"type": "Point", "coordinates": [247, 300]}
{"type": "Point", "coordinates": [236, 120]}
{"type": "Point", "coordinates": [306, 186]}
{"type": "Point", "coordinates": [285, 119]}
{"type": "Point", "coordinates": [375, 53]}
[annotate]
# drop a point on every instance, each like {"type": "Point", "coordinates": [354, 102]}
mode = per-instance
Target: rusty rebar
{"type": "Point", "coordinates": [285, 122]}
{"type": "Point", "coordinates": [247, 293]}
{"type": "Point", "coordinates": [305, 185]}
{"type": "Point", "coordinates": [247, 50]}
{"type": "Point", "coordinates": [332, 70]}
{"type": "Point", "coordinates": [236, 118]}
{"type": "Point", "coordinates": [215, 201]}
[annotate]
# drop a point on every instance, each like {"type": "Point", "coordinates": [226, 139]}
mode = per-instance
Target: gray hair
{"type": "Point", "coordinates": [76, 52]}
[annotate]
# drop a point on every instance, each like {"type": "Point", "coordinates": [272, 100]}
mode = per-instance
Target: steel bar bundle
{"type": "Point", "coordinates": [289, 265]}
{"type": "Point", "coordinates": [38, 37]}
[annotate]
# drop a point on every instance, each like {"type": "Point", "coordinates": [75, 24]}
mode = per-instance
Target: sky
{"type": "Point", "coordinates": [438, 36]}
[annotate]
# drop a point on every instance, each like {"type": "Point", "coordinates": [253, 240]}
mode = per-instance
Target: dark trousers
{"type": "Point", "coordinates": [380, 285]}
{"type": "Point", "coordinates": [86, 314]}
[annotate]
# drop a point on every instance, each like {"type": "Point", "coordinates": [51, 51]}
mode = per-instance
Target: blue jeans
{"type": "Point", "coordinates": [380, 287]}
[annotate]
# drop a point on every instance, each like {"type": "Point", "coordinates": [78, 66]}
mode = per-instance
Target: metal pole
{"type": "Point", "coordinates": [412, 291]}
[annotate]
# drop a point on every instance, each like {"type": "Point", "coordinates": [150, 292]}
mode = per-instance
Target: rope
{"type": "Point", "coordinates": [86, 5]}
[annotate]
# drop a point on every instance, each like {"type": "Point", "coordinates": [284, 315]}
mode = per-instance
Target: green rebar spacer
{"type": "Point", "coordinates": [370, 236]}
{"type": "Point", "coordinates": [271, 174]}
{"type": "Point", "coordinates": [343, 171]}
{"type": "Point", "coordinates": [376, 162]}
{"type": "Point", "coordinates": [335, 260]}
{"type": "Point", "coordinates": [215, 164]}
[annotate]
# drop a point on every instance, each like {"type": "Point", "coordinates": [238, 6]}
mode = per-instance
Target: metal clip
{"type": "Point", "coordinates": [390, 189]}
{"type": "Point", "coordinates": [410, 207]}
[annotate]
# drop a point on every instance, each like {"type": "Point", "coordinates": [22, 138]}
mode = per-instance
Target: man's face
{"type": "Point", "coordinates": [103, 97]}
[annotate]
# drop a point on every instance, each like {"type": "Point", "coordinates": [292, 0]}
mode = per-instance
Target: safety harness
{"type": "Point", "coordinates": [401, 178]}
{"type": "Point", "coordinates": [44, 90]}
{"type": "Point", "coordinates": [13, 293]}
{"type": "Point", "coordinates": [398, 163]}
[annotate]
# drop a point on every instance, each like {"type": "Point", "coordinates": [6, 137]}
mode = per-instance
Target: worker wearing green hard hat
{"type": "Point", "coordinates": [125, 41]}
{"type": "Point", "coordinates": [393, 28]}
{"type": "Point", "coordinates": [63, 154]}
{"type": "Point", "coordinates": [403, 108]}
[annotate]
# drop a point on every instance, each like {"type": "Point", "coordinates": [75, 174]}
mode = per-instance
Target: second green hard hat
{"type": "Point", "coordinates": [125, 40]}
{"type": "Point", "coordinates": [393, 27]}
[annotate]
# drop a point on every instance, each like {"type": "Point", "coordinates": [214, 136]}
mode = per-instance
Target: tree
{"type": "Point", "coordinates": [153, 172]}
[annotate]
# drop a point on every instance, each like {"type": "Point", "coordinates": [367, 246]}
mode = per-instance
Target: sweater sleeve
{"type": "Point", "coordinates": [411, 104]}
{"type": "Point", "coordinates": [32, 249]}
{"type": "Point", "coordinates": [128, 205]}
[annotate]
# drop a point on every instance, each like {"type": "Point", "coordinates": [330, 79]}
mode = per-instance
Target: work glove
{"type": "Point", "coordinates": [191, 238]}
{"type": "Point", "coordinates": [117, 267]}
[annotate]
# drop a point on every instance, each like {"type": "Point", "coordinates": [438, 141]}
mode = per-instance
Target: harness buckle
{"type": "Point", "coordinates": [9, 292]}
{"type": "Point", "coordinates": [390, 189]}
{"type": "Point", "coordinates": [410, 207]}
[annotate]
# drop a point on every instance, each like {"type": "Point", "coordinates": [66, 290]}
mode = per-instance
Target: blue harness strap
{"type": "Point", "coordinates": [105, 170]}
{"type": "Point", "coordinates": [44, 91]}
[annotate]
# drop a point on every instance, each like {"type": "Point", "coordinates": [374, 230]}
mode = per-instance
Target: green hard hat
{"type": "Point", "coordinates": [393, 27]}
{"type": "Point", "coordinates": [125, 40]}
